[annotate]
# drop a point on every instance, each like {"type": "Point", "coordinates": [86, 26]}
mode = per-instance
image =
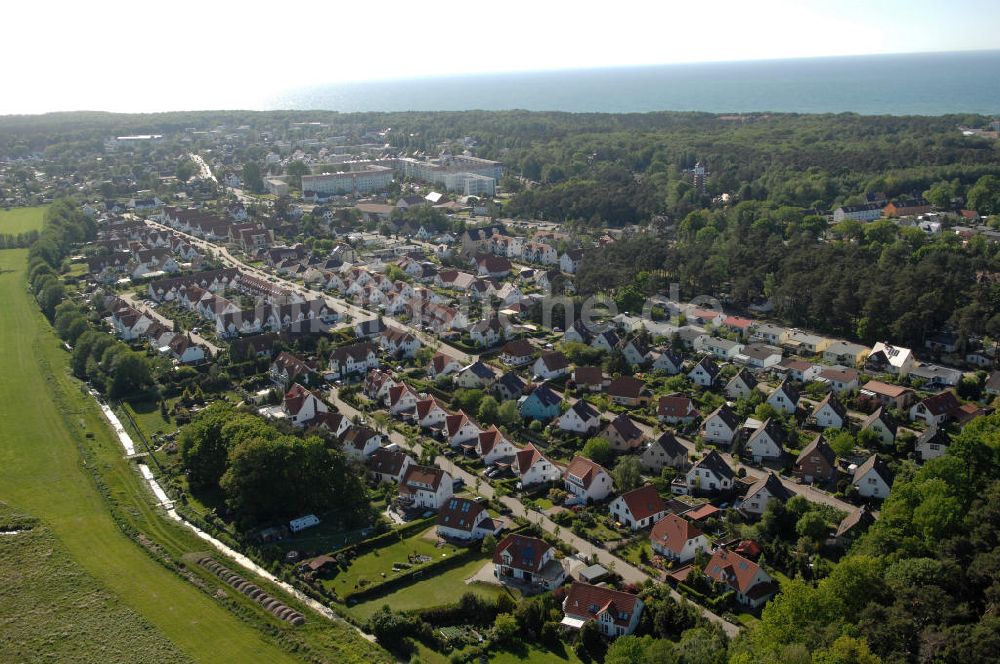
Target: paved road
{"type": "Point", "coordinates": [628, 572]}
{"type": "Point", "coordinates": [136, 302]}
{"type": "Point", "coordinates": [356, 313]}
{"type": "Point", "coordinates": [205, 173]}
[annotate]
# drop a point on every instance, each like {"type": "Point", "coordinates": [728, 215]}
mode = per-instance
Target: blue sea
{"type": "Point", "coordinates": [912, 84]}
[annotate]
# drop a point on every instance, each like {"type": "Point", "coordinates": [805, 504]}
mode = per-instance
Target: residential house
{"type": "Point", "coordinates": [368, 328]}
{"type": "Point", "coordinates": [476, 376]}
{"type": "Point", "coordinates": [400, 343]}
{"type": "Point", "coordinates": [607, 341]}
{"type": "Point", "coordinates": [615, 613]}
{"type": "Point", "coordinates": [763, 491]}
{"type": "Point", "coordinates": [721, 425]}
{"type": "Point", "coordinates": [668, 361]}
{"type": "Point", "coordinates": [845, 352]}
{"type": "Point", "coordinates": [492, 446]}
{"type": "Point", "coordinates": [430, 413]}
{"type": "Point", "coordinates": [785, 398]}
{"type": "Point", "coordinates": [799, 370]}
{"type": "Point", "coordinates": [591, 379]}
{"type": "Point", "coordinates": [360, 442]}
{"type": "Point", "coordinates": [853, 526]}
{"type": "Point", "coordinates": [893, 396]}
{"type": "Point", "coordinates": [377, 384]}
{"type": "Point", "coordinates": [443, 365]}
{"type": "Point", "coordinates": [425, 486]}
{"type": "Point", "coordinates": [550, 366]}
{"type": "Point", "coordinates": [301, 406]}
{"type": "Point", "coordinates": [634, 351]}
{"type": "Point", "coordinates": [570, 261]}
{"type": "Point", "coordinates": [532, 467]}
{"type": "Point", "coordinates": [753, 586]}
{"type": "Point", "coordinates": [840, 379]}
{"type": "Point", "coordinates": [886, 358]}
{"type": "Point", "coordinates": [465, 519]}
{"type": "Point", "coordinates": [665, 451]}
{"type": "Point", "coordinates": [385, 465]}
{"type": "Point", "coordinates": [353, 359]}
{"type": "Point", "coordinates": [676, 408]}
{"type": "Point", "coordinates": [287, 369]}
{"type": "Point", "coordinates": [740, 325]}
{"type": "Point", "coordinates": [882, 424]}
{"type": "Point", "coordinates": [677, 539]}
{"type": "Point", "coordinates": [542, 404]}
{"type": "Point", "coordinates": [580, 418]}
{"type": "Point", "coordinates": [872, 479]}
{"type": "Point", "coordinates": [760, 356]}
{"type": "Point", "coordinates": [704, 372]}
{"type": "Point", "coordinates": [488, 332]}
{"type": "Point", "coordinates": [461, 429]}
{"type": "Point", "coordinates": [741, 386]}
{"type": "Point", "coordinates": [932, 443]}
{"type": "Point", "coordinates": [401, 400]}
{"type": "Point", "coordinates": [830, 414]}
{"type": "Point", "coordinates": [528, 560]}
{"type": "Point", "coordinates": [509, 387]}
{"type": "Point", "coordinates": [936, 409]}
{"type": "Point", "coordinates": [805, 343]}
{"type": "Point", "coordinates": [816, 463]}
{"type": "Point", "coordinates": [587, 480]}
{"type": "Point", "coordinates": [578, 333]}
{"type": "Point", "coordinates": [628, 391]}
{"type": "Point", "coordinates": [767, 442]}
{"type": "Point", "coordinates": [638, 508]}
{"type": "Point", "coordinates": [768, 333]}
{"type": "Point", "coordinates": [710, 474]}
{"type": "Point", "coordinates": [723, 349]}
{"type": "Point", "coordinates": [623, 434]}
{"type": "Point", "coordinates": [517, 353]}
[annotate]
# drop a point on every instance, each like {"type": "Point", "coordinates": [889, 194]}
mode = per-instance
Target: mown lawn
{"type": "Point", "coordinates": [445, 588]}
{"type": "Point", "coordinates": [536, 655]}
{"type": "Point", "coordinates": [21, 220]}
{"type": "Point", "coordinates": [375, 566]}
{"type": "Point", "coordinates": [55, 611]}
{"type": "Point", "coordinates": [47, 422]}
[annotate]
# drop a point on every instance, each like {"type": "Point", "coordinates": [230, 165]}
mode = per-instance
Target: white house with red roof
{"type": "Point", "coordinates": [639, 508]}
{"type": "Point", "coordinates": [443, 365]}
{"type": "Point", "coordinates": [615, 613]}
{"type": "Point", "coordinates": [430, 413]}
{"type": "Point", "coordinates": [492, 445]}
{"type": "Point", "coordinates": [377, 384]}
{"type": "Point", "coordinates": [301, 406]}
{"type": "Point", "coordinates": [401, 400]}
{"type": "Point", "coordinates": [528, 560]}
{"type": "Point", "coordinates": [425, 486]}
{"type": "Point", "coordinates": [459, 428]}
{"type": "Point", "coordinates": [587, 480]}
{"type": "Point", "coordinates": [936, 409]}
{"type": "Point", "coordinates": [677, 539]}
{"type": "Point", "coordinates": [752, 584]}
{"type": "Point", "coordinates": [532, 467]}
{"type": "Point", "coordinates": [676, 408]}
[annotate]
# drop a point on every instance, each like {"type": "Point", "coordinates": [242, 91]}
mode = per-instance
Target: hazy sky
{"type": "Point", "coordinates": [155, 55]}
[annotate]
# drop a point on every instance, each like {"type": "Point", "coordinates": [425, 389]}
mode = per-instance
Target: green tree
{"type": "Point", "coordinates": [253, 180]}
{"type": "Point", "coordinates": [841, 442]}
{"type": "Point", "coordinates": [811, 525]}
{"type": "Point", "coordinates": [504, 629]}
{"type": "Point", "coordinates": [204, 450]}
{"type": "Point", "coordinates": [130, 374]}
{"type": "Point", "coordinates": [984, 196]}
{"type": "Point", "coordinates": [488, 410]}
{"type": "Point", "coordinates": [508, 414]}
{"type": "Point", "coordinates": [185, 170]}
{"type": "Point", "coordinates": [599, 450]}
{"type": "Point", "coordinates": [627, 473]}
{"type": "Point", "coordinates": [296, 170]}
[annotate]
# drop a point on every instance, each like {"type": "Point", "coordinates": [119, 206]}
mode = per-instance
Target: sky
{"type": "Point", "coordinates": [150, 55]}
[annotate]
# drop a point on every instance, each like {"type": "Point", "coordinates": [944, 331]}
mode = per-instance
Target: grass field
{"type": "Point", "coordinates": [535, 655]}
{"type": "Point", "coordinates": [21, 220]}
{"type": "Point", "coordinates": [437, 590]}
{"type": "Point", "coordinates": [44, 416]}
{"type": "Point", "coordinates": [376, 565]}
{"type": "Point", "coordinates": [54, 611]}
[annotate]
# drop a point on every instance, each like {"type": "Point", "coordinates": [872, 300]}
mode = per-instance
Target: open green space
{"type": "Point", "coordinates": [47, 422]}
{"type": "Point", "coordinates": [55, 611]}
{"type": "Point", "coordinates": [377, 565]}
{"type": "Point", "coordinates": [535, 655]}
{"type": "Point", "coordinates": [445, 588]}
{"type": "Point", "coordinates": [21, 220]}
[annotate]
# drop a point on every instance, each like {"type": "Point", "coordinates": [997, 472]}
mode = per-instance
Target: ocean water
{"type": "Point", "coordinates": [913, 84]}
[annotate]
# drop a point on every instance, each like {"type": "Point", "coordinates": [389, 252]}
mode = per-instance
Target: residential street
{"type": "Point", "coordinates": [629, 572]}
{"type": "Point", "coordinates": [137, 302]}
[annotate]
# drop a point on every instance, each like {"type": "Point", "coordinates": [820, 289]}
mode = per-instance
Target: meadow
{"type": "Point", "coordinates": [21, 220]}
{"type": "Point", "coordinates": [54, 444]}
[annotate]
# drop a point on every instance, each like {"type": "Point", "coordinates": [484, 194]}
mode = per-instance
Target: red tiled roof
{"type": "Point", "coordinates": [644, 502]}
{"type": "Point", "coordinates": [590, 601]}
{"type": "Point", "coordinates": [585, 469]}
{"type": "Point", "coordinates": [526, 552]}
{"type": "Point", "coordinates": [672, 532]}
